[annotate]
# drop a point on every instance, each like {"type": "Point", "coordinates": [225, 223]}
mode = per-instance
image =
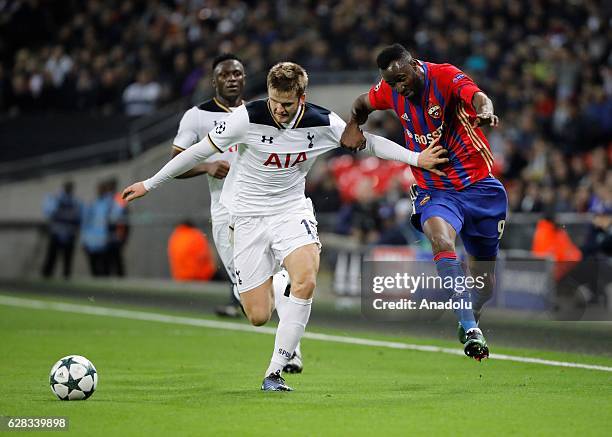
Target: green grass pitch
{"type": "Point", "coordinates": [171, 379]}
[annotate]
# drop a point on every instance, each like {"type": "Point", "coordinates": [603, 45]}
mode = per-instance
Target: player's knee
{"type": "Point", "coordinates": [442, 243]}
{"type": "Point", "coordinates": [258, 316]}
{"type": "Point", "coordinates": [303, 288]}
{"type": "Point", "coordinates": [258, 319]}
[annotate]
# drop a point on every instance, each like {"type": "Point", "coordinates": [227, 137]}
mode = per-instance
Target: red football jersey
{"type": "Point", "coordinates": [444, 108]}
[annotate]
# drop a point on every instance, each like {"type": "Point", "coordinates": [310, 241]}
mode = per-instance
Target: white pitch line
{"type": "Point", "coordinates": [191, 321]}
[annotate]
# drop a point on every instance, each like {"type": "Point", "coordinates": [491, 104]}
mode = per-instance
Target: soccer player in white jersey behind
{"type": "Point", "coordinates": [229, 80]}
{"type": "Point", "coordinates": [274, 225]}
{"type": "Point", "coordinates": [228, 83]}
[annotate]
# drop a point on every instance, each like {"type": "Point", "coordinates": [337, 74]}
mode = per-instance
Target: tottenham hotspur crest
{"type": "Point", "coordinates": [310, 138]}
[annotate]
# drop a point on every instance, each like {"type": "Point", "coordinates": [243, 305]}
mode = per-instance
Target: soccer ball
{"type": "Point", "coordinates": [73, 378]}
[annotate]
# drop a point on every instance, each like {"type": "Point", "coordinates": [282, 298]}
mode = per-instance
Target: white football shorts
{"type": "Point", "coordinates": [261, 243]}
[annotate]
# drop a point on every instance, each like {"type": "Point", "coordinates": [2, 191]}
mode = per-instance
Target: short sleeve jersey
{"type": "Point", "coordinates": [194, 126]}
{"type": "Point", "coordinates": [268, 176]}
{"type": "Point", "coordinates": [444, 108]}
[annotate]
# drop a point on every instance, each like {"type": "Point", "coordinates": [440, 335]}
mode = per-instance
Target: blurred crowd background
{"type": "Point", "coordinates": [546, 64]}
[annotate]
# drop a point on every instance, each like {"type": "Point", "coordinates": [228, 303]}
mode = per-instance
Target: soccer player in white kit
{"type": "Point", "coordinates": [228, 83]}
{"type": "Point", "coordinates": [278, 140]}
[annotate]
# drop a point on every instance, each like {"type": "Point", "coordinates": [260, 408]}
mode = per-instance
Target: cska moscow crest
{"type": "Point", "coordinates": [434, 111]}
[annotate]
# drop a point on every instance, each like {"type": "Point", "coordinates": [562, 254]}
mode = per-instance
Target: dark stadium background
{"type": "Point", "coordinates": [65, 65]}
{"type": "Point", "coordinates": [72, 110]}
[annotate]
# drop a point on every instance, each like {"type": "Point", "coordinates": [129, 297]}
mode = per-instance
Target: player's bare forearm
{"type": "Point", "coordinates": [482, 103]}
{"type": "Point", "coordinates": [485, 113]}
{"type": "Point", "coordinates": [361, 110]}
{"type": "Point", "coordinates": [352, 137]}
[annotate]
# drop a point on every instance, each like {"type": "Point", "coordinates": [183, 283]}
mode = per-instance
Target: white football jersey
{"type": "Point", "coordinates": [268, 176]}
{"type": "Point", "coordinates": [194, 126]}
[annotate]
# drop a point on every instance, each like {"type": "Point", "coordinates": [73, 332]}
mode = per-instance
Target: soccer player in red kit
{"type": "Point", "coordinates": [439, 104]}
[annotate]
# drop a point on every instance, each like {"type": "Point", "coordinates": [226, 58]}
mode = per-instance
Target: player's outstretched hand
{"type": "Point", "coordinates": [486, 118]}
{"type": "Point", "coordinates": [134, 191]}
{"type": "Point", "coordinates": [432, 156]}
{"type": "Point", "coordinates": [352, 138]}
{"type": "Point", "coordinates": [218, 169]}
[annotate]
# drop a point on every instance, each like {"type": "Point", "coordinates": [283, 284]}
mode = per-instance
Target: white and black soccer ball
{"type": "Point", "coordinates": [73, 378]}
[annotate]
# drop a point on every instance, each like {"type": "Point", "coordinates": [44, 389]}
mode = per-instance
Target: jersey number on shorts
{"type": "Point", "coordinates": [311, 231]}
{"type": "Point", "coordinates": [500, 228]}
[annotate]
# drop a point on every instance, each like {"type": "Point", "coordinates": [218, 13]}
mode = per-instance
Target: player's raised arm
{"type": "Point", "coordinates": [484, 110]}
{"type": "Point", "coordinates": [361, 109]}
{"type": "Point", "coordinates": [231, 131]}
{"type": "Point", "coordinates": [352, 137]}
{"type": "Point", "coordinates": [379, 97]}
{"type": "Point", "coordinates": [456, 83]}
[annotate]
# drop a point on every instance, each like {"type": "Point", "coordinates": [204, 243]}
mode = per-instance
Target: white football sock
{"type": "Point", "coordinates": [295, 315]}
{"type": "Point", "coordinates": [279, 282]}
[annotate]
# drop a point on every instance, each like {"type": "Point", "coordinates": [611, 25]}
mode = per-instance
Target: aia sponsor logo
{"type": "Point", "coordinates": [286, 161]}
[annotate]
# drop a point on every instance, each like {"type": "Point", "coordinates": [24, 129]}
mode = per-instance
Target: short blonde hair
{"type": "Point", "coordinates": [288, 77]}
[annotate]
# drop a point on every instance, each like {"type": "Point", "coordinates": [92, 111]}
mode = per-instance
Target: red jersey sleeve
{"type": "Point", "coordinates": [456, 83]}
{"type": "Point", "coordinates": [381, 96]}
